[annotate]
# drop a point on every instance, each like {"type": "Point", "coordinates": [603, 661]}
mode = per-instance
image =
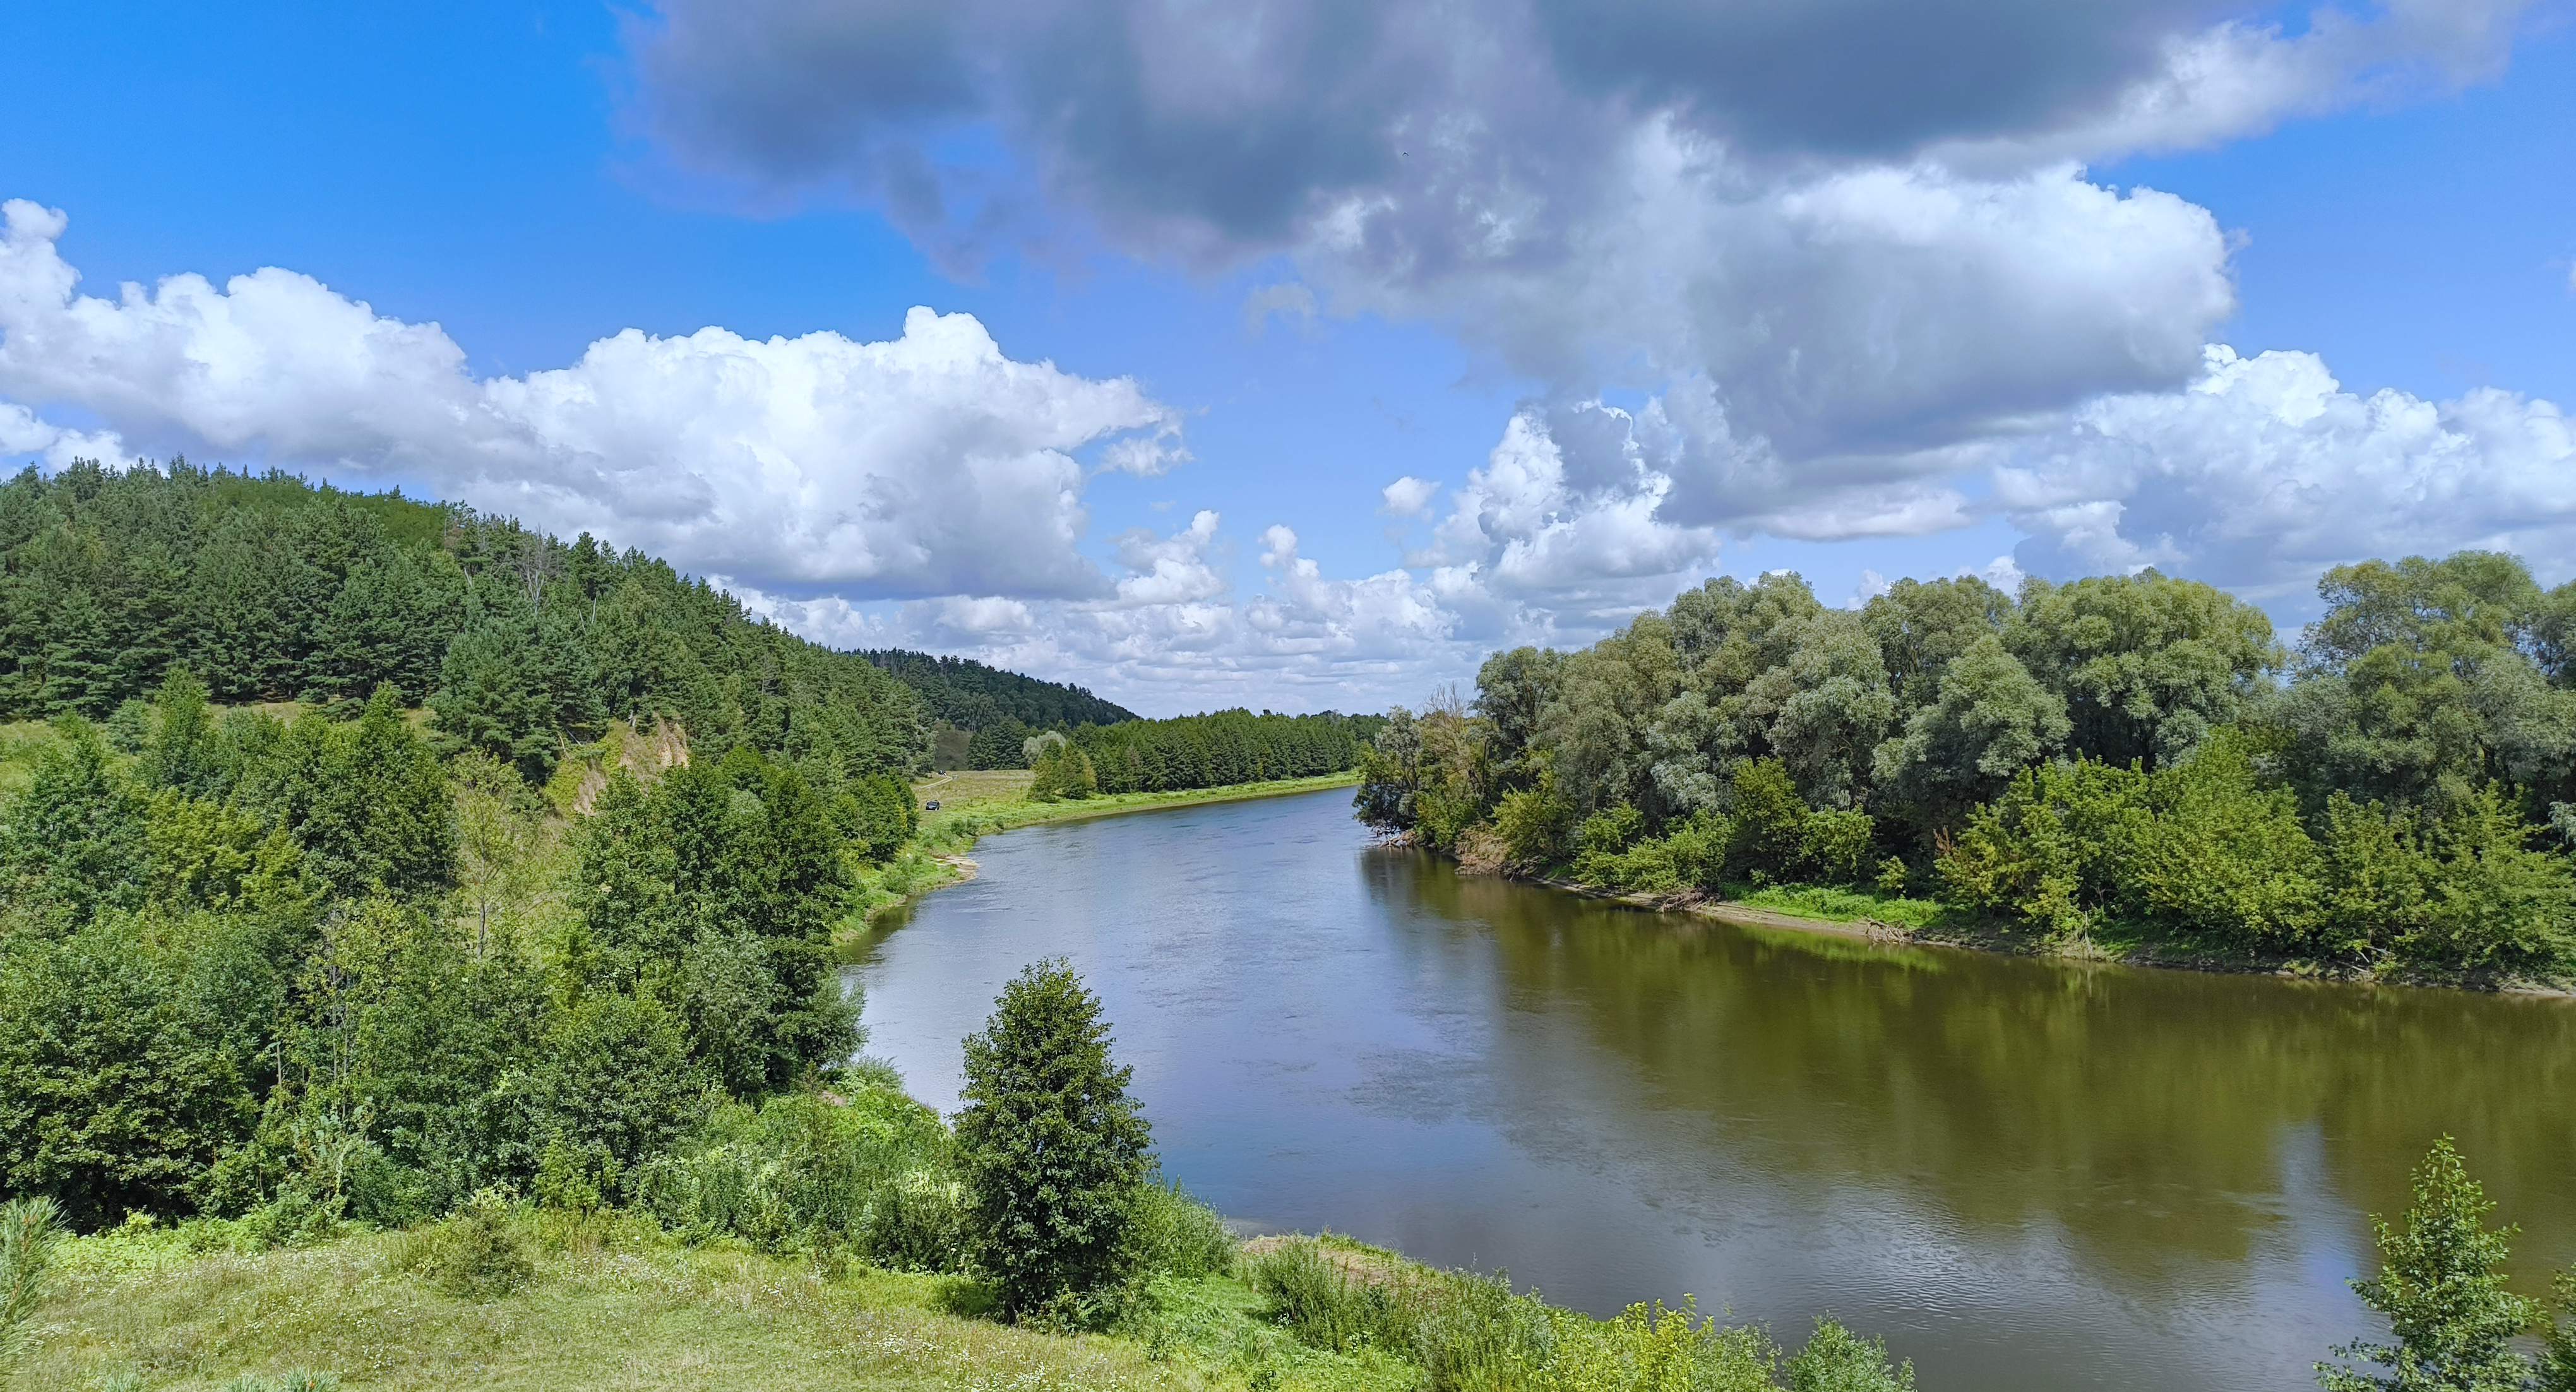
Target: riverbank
{"type": "Point", "coordinates": [608, 1302]}
{"type": "Point", "coordinates": [1861, 912]}
{"type": "Point", "coordinates": [975, 804]}
{"type": "Point", "coordinates": [613, 1305]}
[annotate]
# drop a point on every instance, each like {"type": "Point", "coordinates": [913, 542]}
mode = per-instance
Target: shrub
{"type": "Point", "coordinates": [1832, 845]}
{"type": "Point", "coordinates": [1836, 1360]}
{"type": "Point", "coordinates": [1053, 1146]}
{"type": "Point", "coordinates": [477, 1255]}
{"type": "Point", "coordinates": [1652, 1349]}
{"type": "Point", "coordinates": [1461, 1329]}
{"type": "Point", "coordinates": [2442, 1293]}
{"type": "Point", "coordinates": [875, 1174]}
{"type": "Point", "coordinates": [1170, 1232]}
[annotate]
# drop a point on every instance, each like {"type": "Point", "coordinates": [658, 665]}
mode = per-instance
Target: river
{"type": "Point", "coordinates": [2025, 1174]}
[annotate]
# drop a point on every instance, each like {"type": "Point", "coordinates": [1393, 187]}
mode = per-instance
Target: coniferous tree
{"type": "Point", "coordinates": [1053, 1146]}
{"type": "Point", "coordinates": [182, 752]}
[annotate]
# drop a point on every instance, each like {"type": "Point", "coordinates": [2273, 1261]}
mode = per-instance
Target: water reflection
{"type": "Point", "coordinates": [2028, 1174]}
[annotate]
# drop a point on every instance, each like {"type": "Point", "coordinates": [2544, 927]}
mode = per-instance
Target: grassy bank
{"type": "Point", "coordinates": [1865, 912]}
{"type": "Point", "coordinates": [974, 804]}
{"type": "Point", "coordinates": [609, 1303]}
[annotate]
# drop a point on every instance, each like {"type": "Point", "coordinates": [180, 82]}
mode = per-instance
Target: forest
{"type": "Point", "coordinates": [270, 589]}
{"type": "Point", "coordinates": [2119, 759]}
{"type": "Point", "coordinates": [985, 715]}
{"type": "Point", "coordinates": [380, 852]}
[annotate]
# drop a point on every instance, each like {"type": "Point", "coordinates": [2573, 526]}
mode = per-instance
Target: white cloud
{"type": "Point", "coordinates": [2265, 471]}
{"type": "Point", "coordinates": [929, 464]}
{"type": "Point", "coordinates": [1173, 569]}
{"type": "Point", "coordinates": [1408, 496]}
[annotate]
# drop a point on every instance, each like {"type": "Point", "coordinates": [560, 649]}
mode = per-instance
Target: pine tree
{"type": "Point", "coordinates": [182, 752]}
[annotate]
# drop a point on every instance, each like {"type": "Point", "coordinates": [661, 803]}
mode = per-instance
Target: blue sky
{"type": "Point", "coordinates": [534, 178]}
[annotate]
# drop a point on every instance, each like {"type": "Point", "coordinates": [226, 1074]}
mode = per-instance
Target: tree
{"type": "Point", "coordinates": [2148, 665]}
{"type": "Point", "coordinates": [1053, 1147]}
{"type": "Point", "coordinates": [182, 752]}
{"type": "Point", "coordinates": [1991, 719]}
{"type": "Point", "coordinates": [2443, 1295]}
{"type": "Point", "coordinates": [74, 838]}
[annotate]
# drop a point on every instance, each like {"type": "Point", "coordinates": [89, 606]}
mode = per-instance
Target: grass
{"type": "Point", "coordinates": [616, 1307]}
{"type": "Point", "coordinates": [1844, 904]}
{"type": "Point", "coordinates": [997, 800]}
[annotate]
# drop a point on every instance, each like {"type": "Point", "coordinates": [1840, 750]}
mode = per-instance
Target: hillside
{"type": "Point", "coordinates": [990, 711]}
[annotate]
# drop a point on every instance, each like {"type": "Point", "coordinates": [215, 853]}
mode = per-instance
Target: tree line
{"type": "Point", "coordinates": [2128, 754]}
{"type": "Point", "coordinates": [983, 714]}
{"type": "Point", "coordinates": [271, 589]}
{"type": "Point", "coordinates": [1221, 748]}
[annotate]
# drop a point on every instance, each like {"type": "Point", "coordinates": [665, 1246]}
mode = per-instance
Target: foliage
{"type": "Point", "coordinates": [1460, 1329]}
{"type": "Point", "coordinates": [479, 1254]}
{"type": "Point", "coordinates": [30, 1229]}
{"type": "Point", "coordinates": [1654, 1348]}
{"type": "Point", "coordinates": [267, 588]}
{"type": "Point", "coordinates": [1219, 748]}
{"type": "Point", "coordinates": [2442, 1293]}
{"type": "Point", "coordinates": [1836, 1360]}
{"type": "Point", "coordinates": [994, 709]}
{"type": "Point", "coordinates": [1051, 1143]}
{"type": "Point", "coordinates": [1172, 1233]}
{"type": "Point", "coordinates": [1059, 769]}
{"type": "Point", "coordinates": [2117, 750]}
{"type": "Point", "coordinates": [872, 1173]}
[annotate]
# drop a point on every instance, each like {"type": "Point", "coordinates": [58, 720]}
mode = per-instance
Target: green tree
{"type": "Point", "coordinates": [368, 801]}
{"type": "Point", "coordinates": [183, 752]}
{"type": "Point", "coordinates": [2149, 665]}
{"type": "Point", "coordinates": [73, 842]}
{"type": "Point", "coordinates": [1052, 1145]}
{"type": "Point", "coordinates": [2442, 1291]}
{"type": "Point", "coordinates": [1992, 719]}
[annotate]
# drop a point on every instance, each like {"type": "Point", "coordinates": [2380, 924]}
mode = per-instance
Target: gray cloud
{"type": "Point", "coordinates": [1866, 77]}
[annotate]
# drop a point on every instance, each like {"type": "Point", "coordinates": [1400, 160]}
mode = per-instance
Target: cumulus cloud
{"type": "Point", "coordinates": [1408, 496]}
{"type": "Point", "coordinates": [930, 464]}
{"type": "Point", "coordinates": [925, 491]}
{"type": "Point", "coordinates": [2265, 471]}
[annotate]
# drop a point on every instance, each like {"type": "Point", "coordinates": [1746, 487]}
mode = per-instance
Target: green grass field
{"type": "Point", "coordinates": [614, 1307]}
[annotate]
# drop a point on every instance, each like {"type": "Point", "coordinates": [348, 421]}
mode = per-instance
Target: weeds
{"type": "Point", "coordinates": [30, 1230]}
{"type": "Point", "coordinates": [479, 1254]}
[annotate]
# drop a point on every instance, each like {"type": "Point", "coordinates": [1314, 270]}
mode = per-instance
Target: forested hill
{"type": "Point", "coordinates": [271, 589]}
{"type": "Point", "coordinates": [1002, 707]}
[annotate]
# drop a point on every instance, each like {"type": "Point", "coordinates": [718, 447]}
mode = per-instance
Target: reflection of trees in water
{"type": "Point", "coordinates": [2145, 1113]}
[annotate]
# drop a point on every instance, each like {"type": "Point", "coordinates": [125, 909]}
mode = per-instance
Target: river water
{"type": "Point", "coordinates": [2025, 1174]}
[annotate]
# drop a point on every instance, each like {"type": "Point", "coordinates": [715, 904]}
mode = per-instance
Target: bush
{"type": "Point", "coordinates": [1462, 1330]}
{"type": "Point", "coordinates": [1653, 1348]}
{"type": "Point", "coordinates": [477, 1255]}
{"type": "Point", "coordinates": [1053, 1146]}
{"type": "Point", "coordinates": [1172, 1233]}
{"type": "Point", "coordinates": [875, 1174]}
{"type": "Point", "coordinates": [1836, 1360]}
{"type": "Point", "coordinates": [1536, 825]}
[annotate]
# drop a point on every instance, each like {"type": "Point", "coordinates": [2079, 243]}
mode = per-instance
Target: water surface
{"type": "Point", "coordinates": [2025, 1174]}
